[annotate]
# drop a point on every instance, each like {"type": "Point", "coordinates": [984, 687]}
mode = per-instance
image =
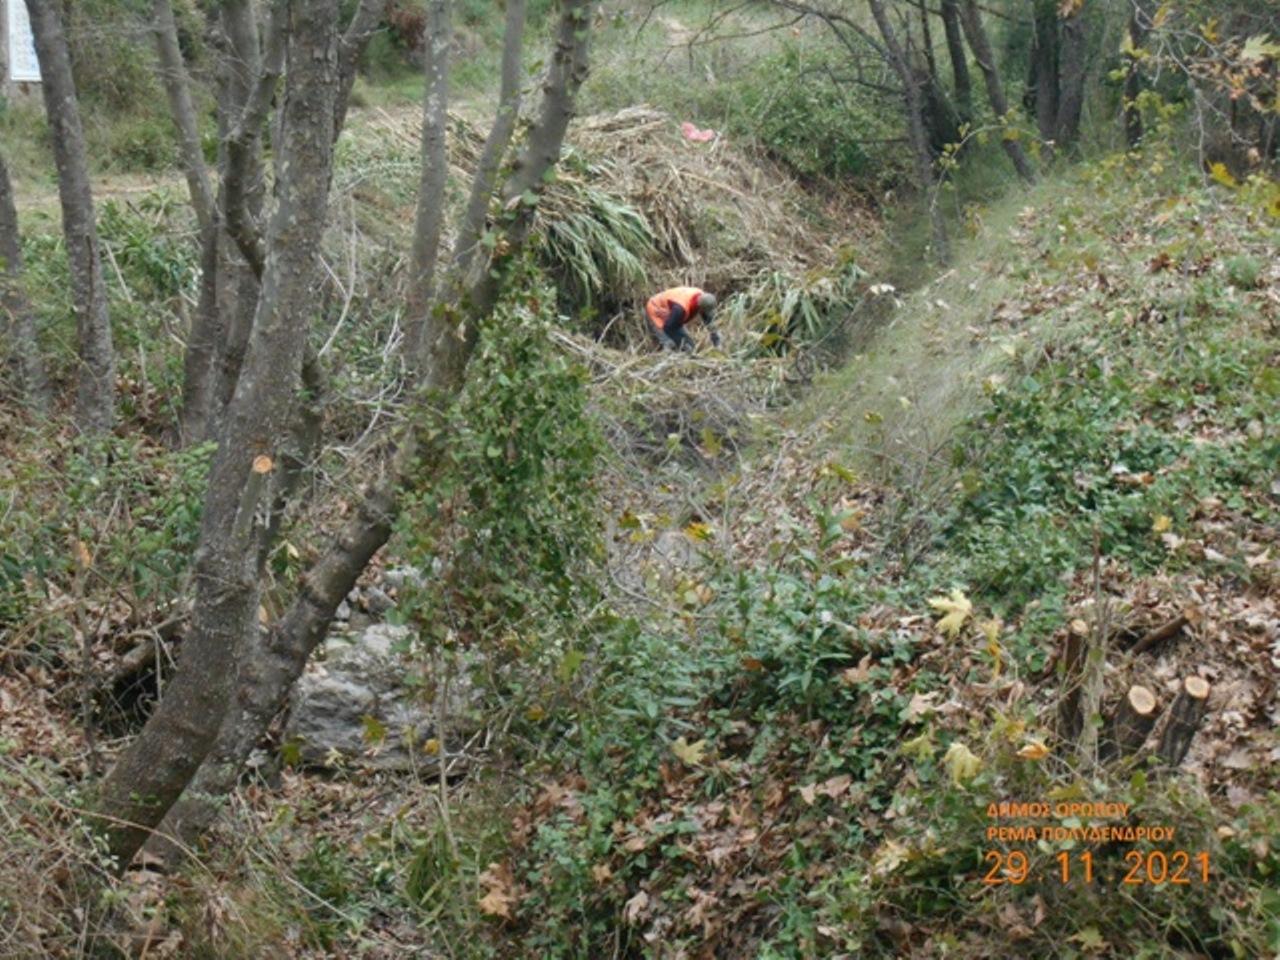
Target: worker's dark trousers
{"type": "Point", "coordinates": [672, 333]}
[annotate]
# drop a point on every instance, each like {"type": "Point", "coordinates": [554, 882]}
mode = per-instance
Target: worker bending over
{"type": "Point", "coordinates": [671, 310]}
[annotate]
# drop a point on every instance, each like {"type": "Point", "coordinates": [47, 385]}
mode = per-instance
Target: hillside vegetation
{"type": "Point", "coordinates": [816, 645]}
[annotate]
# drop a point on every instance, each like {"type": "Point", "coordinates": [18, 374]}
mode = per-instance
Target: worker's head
{"type": "Point", "coordinates": [706, 304]}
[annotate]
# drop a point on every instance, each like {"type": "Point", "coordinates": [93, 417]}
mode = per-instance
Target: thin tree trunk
{"type": "Point", "coordinates": [1071, 78]}
{"type": "Point", "coordinates": [158, 766]}
{"type": "Point", "coordinates": [434, 174]}
{"type": "Point", "coordinates": [971, 20]}
{"type": "Point", "coordinates": [1137, 35]}
{"type": "Point", "coordinates": [363, 25]}
{"type": "Point", "coordinates": [248, 80]}
{"type": "Point", "coordinates": [1044, 73]}
{"type": "Point", "coordinates": [913, 103]}
{"type": "Point", "coordinates": [17, 322]}
{"type": "Point", "coordinates": [173, 76]}
{"type": "Point", "coordinates": [96, 383]}
{"type": "Point", "coordinates": [495, 145]}
{"type": "Point", "coordinates": [266, 680]}
{"type": "Point", "coordinates": [959, 60]}
{"type": "Point", "coordinates": [202, 340]}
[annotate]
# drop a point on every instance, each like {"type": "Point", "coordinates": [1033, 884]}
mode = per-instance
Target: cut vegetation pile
{"type": "Point", "coordinates": [638, 206]}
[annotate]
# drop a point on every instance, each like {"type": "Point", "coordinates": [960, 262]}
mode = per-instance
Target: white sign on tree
{"type": "Point", "coordinates": [23, 63]}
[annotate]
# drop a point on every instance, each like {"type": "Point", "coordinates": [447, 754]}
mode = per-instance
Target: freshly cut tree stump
{"type": "Point", "coordinates": [1184, 720]}
{"type": "Point", "coordinates": [1130, 723]}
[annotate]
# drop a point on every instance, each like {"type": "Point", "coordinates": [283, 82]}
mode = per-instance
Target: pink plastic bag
{"type": "Point", "coordinates": [693, 133]}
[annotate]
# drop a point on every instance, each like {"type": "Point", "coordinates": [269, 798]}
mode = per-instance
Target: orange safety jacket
{"type": "Point", "coordinates": [658, 308]}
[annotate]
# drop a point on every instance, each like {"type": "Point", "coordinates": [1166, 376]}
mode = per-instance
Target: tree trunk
{"type": "Point", "coordinates": [1139, 20]}
{"type": "Point", "coordinates": [1071, 76]}
{"type": "Point", "coordinates": [495, 145]}
{"type": "Point", "coordinates": [435, 172]}
{"type": "Point", "coordinates": [17, 322]}
{"type": "Point", "coordinates": [913, 103]}
{"type": "Point", "coordinates": [1043, 84]}
{"type": "Point", "coordinates": [160, 763]}
{"type": "Point", "coordinates": [202, 339]}
{"type": "Point", "coordinates": [249, 71]}
{"type": "Point", "coordinates": [267, 677]}
{"type": "Point", "coordinates": [96, 384]}
{"type": "Point", "coordinates": [971, 20]}
{"type": "Point", "coordinates": [1184, 720]}
{"type": "Point", "coordinates": [363, 25]}
{"type": "Point", "coordinates": [173, 76]}
{"type": "Point", "coordinates": [1129, 724]}
{"type": "Point", "coordinates": [959, 60]}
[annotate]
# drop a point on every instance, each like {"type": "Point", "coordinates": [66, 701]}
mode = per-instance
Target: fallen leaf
{"type": "Point", "coordinates": [1034, 749]}
{"type": "Point", "coordinates": [956, 609]}
{"type": "Point", "coordinates": [501, 894]}
{"type": "Point", "coordinates": [961, 763]}
{"type": "Point", "coordinates": [633, 910]}
{"type": "Point", "coordinates": [689, 753]}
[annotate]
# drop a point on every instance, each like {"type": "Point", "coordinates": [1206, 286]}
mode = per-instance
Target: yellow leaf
{"type": "Point", "coordinates": [690, 753]}
{"type": "Point", "coordinates": [1209, 30]}
{"type": "Point", "coordinates": [1161, 524]}
{"type": "Point", "coordinates": [431, 747]}
{"type": "Point", "coordinates": [921, 747]}
{"type": "Point", "coordinates": [1033, 749]}
{"type": "Point", "coordinates": [961, 763]}
{"type": "Point", "coordinates": [698, 531]}
{"type": "Point", "coordinates": [956, 609]}
{"type": "Point", "coordinates": [375, 731]}
{"type": "Point", "coordinates": [1219, 172]}
{"type": "Point", "coordinates": [888, 858]}
{"type": "Point", "coordinates": [991, 632]}
{"type": "Point", "coordinates": [1090, 939]}
{"type": "Point", "coordinates": [1260, 48]}
{"type": "Point", "coordinates": [84, 560]}
{"type": "Point", "coordinates": [1069, 8]}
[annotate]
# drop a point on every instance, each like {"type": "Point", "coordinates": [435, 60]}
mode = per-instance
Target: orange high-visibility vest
{"type": "Point", "coordinates": [659, 306]}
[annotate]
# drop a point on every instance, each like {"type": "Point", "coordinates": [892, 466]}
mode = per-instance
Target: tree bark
{"type": "Point", "coordinates": [1071, 77]}
{"type": "Point", "coordinates": [913, 103]}
{"type": "Point", "coordinates": [202, 339]}
{"type": "Point", "coordinates": [96, 383]}
{"type": "Point", "coordinates": [1184, 720]}
{"type": "Point", "coordinates": [1139, 20]}
{"type": "Point", "coordinates": [975, 32]}
{"type": "Point", "coordinates": [363, 25]}
{"type": "Point", "coordinates": [434, 174]}
{"type": "Point", "coordinates": [1043, 82]}
{"type": "Point", "coordinates": [173, 77]}
{"type": "Point", "coordinates": [249, 72]}
{"type": "Point", "coordinates": [495, 145]}
{"type": "Point", "coordinates": [17, 322]}
{"type": "Point", "coordinates": [160, 763]}
{"type": "Point", "coordinates": [268, 677]}
{"type": "Point", "coordinates": [1130, 724]}
{"type": "Point", "coordinates": [960, 78]}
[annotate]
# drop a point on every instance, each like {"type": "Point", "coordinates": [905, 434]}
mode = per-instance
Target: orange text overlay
{"type": "Point", "coordinates": [1096, 834]}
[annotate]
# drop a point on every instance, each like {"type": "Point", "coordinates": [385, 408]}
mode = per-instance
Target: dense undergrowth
{"type": "Point", "coordinates": [771, 721]}
{"type": "Point", "coordinates": [795, 760]}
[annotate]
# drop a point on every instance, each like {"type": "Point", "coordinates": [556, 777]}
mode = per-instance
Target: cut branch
{"type": "Point", "coordinates": [1160, 634]}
